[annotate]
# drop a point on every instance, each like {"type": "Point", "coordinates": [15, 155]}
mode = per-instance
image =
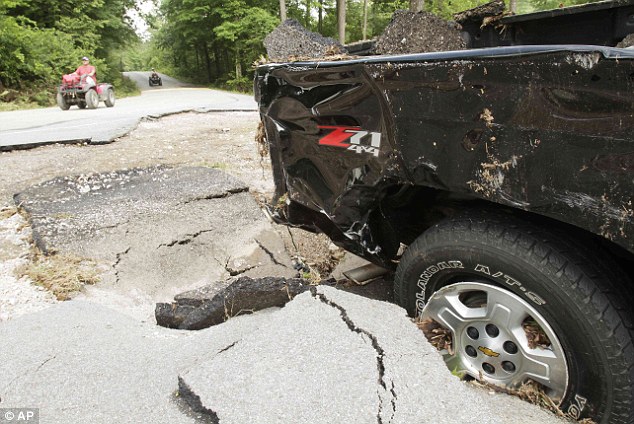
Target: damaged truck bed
{"type": "Point", "coordinates": [497, 183]}
{"type": "Point", "coordinates": [372, 151]}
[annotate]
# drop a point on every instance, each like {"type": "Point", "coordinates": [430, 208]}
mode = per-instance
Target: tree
{"type": "Point", "coordinates": [282, 10]}
{"type": "Point", "coordinates": [40, 38]}
{"type": "Point", "coordinates": [416, 5]}
{"type": "Point", "coordinates": [341, 20]}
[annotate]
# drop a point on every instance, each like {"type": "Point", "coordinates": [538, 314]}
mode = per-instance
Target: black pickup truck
{"type": "Point", "coordinates": [496, 181]}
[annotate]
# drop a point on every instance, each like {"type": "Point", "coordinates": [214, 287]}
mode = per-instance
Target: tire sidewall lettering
{"type": "Point", "coordinates": [489, 272]}
{"type": "Point", "coordinates": [509, 281]}
{"type": "Point", "coordinates": [427, 274]}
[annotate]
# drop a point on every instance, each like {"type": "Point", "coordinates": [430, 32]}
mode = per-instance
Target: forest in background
{"type": "Point", "coordinates": [211, 42]}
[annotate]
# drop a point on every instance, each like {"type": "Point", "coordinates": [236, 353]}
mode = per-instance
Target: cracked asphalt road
{"type": "Point", "coordinates": [327, 356]}
{"type": "Point", "coordinates": [159, 230]}
{"type": "Point", "coordinates": [30, 128]}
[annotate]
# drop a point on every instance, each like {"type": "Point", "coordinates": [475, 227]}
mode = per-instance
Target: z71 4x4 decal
{"type": "Point", "coordinates": [352, 138]}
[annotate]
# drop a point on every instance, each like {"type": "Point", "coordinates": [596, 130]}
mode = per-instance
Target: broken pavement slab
{"type": "Point", "coordinates": [327, 357]}
{"type": "Point", "coordinates": [217, 302]}
{"type": "Point", "coordinates": [330, 356]}
{"type": "Point", "coordinates": [209, 305]}
{"type": "Point", "coordinates": [158, 231]}
{"type": "Point", "coordinates": [80, 362]}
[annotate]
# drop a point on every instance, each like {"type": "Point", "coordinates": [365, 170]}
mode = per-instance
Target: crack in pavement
{"type": "Point", "coordinates": [271, 255]}
{"type": "Point", "coordinates": [188, 238]}
{"type": "Point", "coordinates": [375, 344]}
{"type": "Point", "coordinates": [108, 227]}
{"type": "Point", "coordinates": [235, 272]}
{"type": "Point", "coordinates": [27, 372]}
{"type": "Point", "coordinates": [228, 347]}
{"type": "Point", "coordinates": [44, 363]}
{"type": "Point", "coordinates": [218, 196]}
{"type": "Point", "coordinates": [194, 402]}
{"type": "Point", "coordinates": [116, 264]}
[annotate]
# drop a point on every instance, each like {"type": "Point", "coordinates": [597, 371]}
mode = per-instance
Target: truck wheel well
{"type": "Point", "coordinates": [407, 211]}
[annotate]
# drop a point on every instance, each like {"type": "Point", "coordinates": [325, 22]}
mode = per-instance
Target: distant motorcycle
{"type": "Point", "coordinates": [78, 90]}
{"type": "Point", "coordinates": [155, 79]}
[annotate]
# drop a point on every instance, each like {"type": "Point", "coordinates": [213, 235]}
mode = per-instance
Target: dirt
{"type": "Point", "coordinates": [410, 32]}
{"type": "Point", "coordinates": [482, 12]}
{"type": "Point", "coordinates": [628, 41]}
{"type": "Point", "coordinates": [290, 40]}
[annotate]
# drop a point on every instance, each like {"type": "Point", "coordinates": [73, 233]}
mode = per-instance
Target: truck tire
{"type": "Point", "coordinates": [109, 98]}
{"type": "Point", "coordinates": [520, 300]}
{"type": "Point", "coordinates": [92, 99]}
{"type": "Point", "coordinates": [81, 105]}
{"type": "Point", "coordinates": [61, 102]}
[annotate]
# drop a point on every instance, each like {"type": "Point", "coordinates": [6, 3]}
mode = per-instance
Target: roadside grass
{"type": "Point", "coordinates": [43, 96]}
{"type": "Point", "coordinates": [214, 165]}
{"type": "Point", "coordinates": [8, 212]}
{"type": "Point", "coordinates": [61, 274]}
{"type": "Point", "coordinates": [8, 107]}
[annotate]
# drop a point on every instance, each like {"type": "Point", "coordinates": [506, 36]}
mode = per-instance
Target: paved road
{"type": "Point", "coordinates": [29, 128]}
{"type": "Point", "coordinates": [326, 358]}
{"type": "Point", "coordinates": [141, 79]}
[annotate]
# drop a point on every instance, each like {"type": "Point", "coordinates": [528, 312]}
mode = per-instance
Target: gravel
{"type": "Point", "coordinates": [17, 295]}
{"type": "Point", "coordinates": [291, 40]}
{"type": "Point", "coordinates": [411, 32]}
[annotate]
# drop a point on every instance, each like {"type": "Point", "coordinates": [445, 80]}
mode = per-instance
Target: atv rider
{"type": "Point", "coordinates": [87, 71]}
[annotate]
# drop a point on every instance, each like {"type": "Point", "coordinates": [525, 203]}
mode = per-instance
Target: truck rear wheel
{"type": "Point", "coordinates": [92, 99]}
{"type": "Point", "coordinates": [61, 102]}
{"type": "Point", "coordinates": [521, 303]}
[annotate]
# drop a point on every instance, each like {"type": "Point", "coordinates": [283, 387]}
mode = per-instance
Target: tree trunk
{"type": "Point", "coordinates": [207, 62]}
{"type": "Point", "coordinates": [307, 15]}
{"type": "Point", "coordinates": [513, 6]}
{"type": "Point", "coordinates": [341, 20]}
{"type": "Point", "coordinates": [320, 22]}
{"type": "Point", "coordinates": [226, 61]}
{"type": "Point", "coordinates": [217, 59]}
{"type": "Point", "coordinates": [238, 66]}
{"type": "Point", "coordinates": [365, 20]}
{"type": "Point", "coordinates": [282, 10]}
{"type": "Point", "coordinates": [416, 5]}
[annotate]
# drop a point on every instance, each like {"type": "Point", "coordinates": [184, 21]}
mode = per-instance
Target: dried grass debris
{"type": "Point", "coordinates": [63, 275]}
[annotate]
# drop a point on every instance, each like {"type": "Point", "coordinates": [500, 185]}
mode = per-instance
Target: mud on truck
{"type": "Point", "coordinates": [496, 182]}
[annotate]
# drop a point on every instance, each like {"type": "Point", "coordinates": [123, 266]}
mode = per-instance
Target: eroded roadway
{"type": "Point", "coordinates": [35, 127]}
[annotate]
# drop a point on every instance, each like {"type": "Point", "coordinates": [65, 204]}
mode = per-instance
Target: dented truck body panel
{"type": "Point", "coordinates": [547, 130]}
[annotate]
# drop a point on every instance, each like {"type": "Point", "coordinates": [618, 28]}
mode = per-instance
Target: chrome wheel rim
{"type": "Point", "coordinates": [489, 339]}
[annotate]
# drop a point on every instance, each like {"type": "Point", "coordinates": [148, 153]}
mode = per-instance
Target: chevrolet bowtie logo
{"type": "Point", "coordinates": [488, 352]}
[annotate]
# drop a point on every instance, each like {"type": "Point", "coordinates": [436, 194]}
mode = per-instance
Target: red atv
{"type": "Point", "coordinates": [83, 92]}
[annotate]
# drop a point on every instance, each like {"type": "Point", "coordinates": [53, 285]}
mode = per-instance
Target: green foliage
{"type": "Point", "coordinates": [212, 41]}
{"type": "Point", "coordinates": [204, 41]}
{"type": "Point", "coordinates": [42, 39]}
